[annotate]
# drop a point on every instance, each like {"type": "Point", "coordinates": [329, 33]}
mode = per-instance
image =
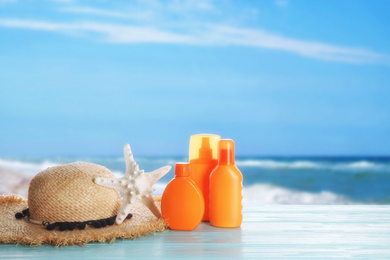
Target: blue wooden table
{"type": "Point", "coordinates": [277, 231]}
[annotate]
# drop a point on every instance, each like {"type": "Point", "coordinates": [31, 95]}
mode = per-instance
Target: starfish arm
{"type": "Point", "coordinates": [157, 174]}
{"type": "Point", "coordinates": [108, 182]}
{"type": "Point", "coordinates": [131, 165]}
{"type": "Point", "coordinates": [135, 184]}
{"type": "Point", "coordinates": [125, 209]}
{"type": "Point", "coordinates": [149, 202]}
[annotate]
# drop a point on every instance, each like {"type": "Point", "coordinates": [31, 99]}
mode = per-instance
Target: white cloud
{"type": "Point", "coordinates": [134, 34]}
{"type": "Point", "coordinates": [62, 1]}
{"type": "Point", "coordinates": [111, 32]}
{"type": "Point", "coordinates": [28, 24]}
{"type": "Point", "coordinates": [107, 13]}
{"type": "Point", "coordinates": [318, 50]}
{"type": "Point", "coordinates": [186, 5]}
{"type": "Point", "coordinates": [209, 35]}
{"type": "Point", "coordinates": [146, 10]}
{"type": "Point", "coordinates": [4, 2]}
{"type": "Point", "coordinates": [281, 3]}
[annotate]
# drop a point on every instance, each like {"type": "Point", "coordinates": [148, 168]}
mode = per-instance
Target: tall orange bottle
{"type": "Point", "coordinates": [182, 204]}
{"type": "Point", "coordinates": [203, 159]}
{"type": "Point", "coordinates": [226, 189]}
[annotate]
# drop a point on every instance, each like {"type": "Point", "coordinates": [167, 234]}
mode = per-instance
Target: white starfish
{"type": "Point", "coordinates": [136, 184]}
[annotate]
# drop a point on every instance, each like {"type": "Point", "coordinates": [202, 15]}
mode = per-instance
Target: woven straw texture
{"type": "Point", "coordinates": [19, 231]}
{"type": "Point", "coordinates": [68, 193]}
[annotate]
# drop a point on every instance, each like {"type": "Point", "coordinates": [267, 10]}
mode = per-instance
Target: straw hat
{"type": "Point", "coordinates": [66, 206]}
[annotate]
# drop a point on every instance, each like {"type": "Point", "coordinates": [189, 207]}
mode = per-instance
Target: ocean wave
{"type": "Point", "coordinates": [162, 161]}
{"type": "Point", "coordinates": [265, 194]}
{"type": "Point", "coordinates": [33, 168]}
{"type": "Point", "coordinates": [166, 160]}
{"type": "Point", "coordinates": [314, 165]}
{"type": "Point", "coordinates": [159, 188]}
{"type": "Point", "coordinates": [26, 167]}
{"type": "Point", "coordinates": [278, 164]}
{"type": "Point", "coordinates": [270, 194]}
{"type": "Point", "coordinates": [361, 165]}
{"type": "Point", "coordinates": [258, 193]}
{"type": "Point", "coordinates": [118, 174]}
{"type": "Point", "coordinates": [272, 164]}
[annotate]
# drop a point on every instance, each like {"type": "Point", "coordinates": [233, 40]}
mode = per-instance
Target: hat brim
{"type": "Point", "coordinates": [19, 231]}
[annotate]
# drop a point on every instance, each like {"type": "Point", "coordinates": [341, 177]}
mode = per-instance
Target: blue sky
{"type": "Point", "coordinates": [279, 77]}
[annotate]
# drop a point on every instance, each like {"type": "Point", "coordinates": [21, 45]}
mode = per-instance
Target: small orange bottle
{"type": "Point", "coordinates": [203, 159]}
{"type": "Point", "coordinates": [226, 188]}
{"type": "Point", "coordinates": [182, 204]}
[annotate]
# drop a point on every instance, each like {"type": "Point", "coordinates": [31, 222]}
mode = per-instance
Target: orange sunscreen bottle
{"type": "Point", "coordinates": [225, 189]}
{"type": "Point", "coordinates": [203, 159]}
{"type": "Point", "coordinates": [182, 204]}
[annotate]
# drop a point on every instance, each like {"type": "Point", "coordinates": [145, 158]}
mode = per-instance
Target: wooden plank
{"type": "Point", "coordinates": [277, 231]}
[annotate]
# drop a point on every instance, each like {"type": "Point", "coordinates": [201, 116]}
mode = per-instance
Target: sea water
{"type": "Point", "coordinates": [267, 180]}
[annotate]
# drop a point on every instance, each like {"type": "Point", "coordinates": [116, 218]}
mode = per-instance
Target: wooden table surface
{"type": "Point", "coordinates": [277, 231]}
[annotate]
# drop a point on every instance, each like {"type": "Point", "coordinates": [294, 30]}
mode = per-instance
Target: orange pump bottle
{"type": "Point", "coordinates": [203, 159]}
{"type": "Point", "coordinates": [226, 188]}
{"type": "Point", "coordinates": [182, 204]}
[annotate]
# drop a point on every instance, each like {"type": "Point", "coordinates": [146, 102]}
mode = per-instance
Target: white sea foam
{"type": "Point", "coordinates": [159, 188]}
{"type": "Point", "coordinates": [278, 164]}
{"type": "Point", "coordinates": [313, 165]}
{"type": "Point", "coordinates": [162, 161]}
{"type": "Point", "coordinates": [26, 167]}
{"type": "Point", "coordinates": [270, 194]}
{"type": "Point", "coordinates": [361, 165]}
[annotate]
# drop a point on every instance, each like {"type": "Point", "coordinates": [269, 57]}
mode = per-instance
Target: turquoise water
{"type": "Point", "coordinates": [267, 180]}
